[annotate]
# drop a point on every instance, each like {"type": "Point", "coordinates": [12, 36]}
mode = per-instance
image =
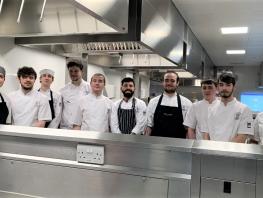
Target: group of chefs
{"type": "Point", "coordinates": [219, 116]}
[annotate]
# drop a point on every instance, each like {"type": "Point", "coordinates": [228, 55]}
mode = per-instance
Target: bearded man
{"type": "Point", "coordinates": [166, 112]}
{"type": "Point", "coordinates": [230, 120]}
{"type": "Point", "coordinates": [129, 113]}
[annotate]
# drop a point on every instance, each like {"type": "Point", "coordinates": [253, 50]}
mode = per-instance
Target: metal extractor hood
{"type": "Point", "coordinates": [27, 18]}
{"type": "Point", "coordinates": [153, 27]}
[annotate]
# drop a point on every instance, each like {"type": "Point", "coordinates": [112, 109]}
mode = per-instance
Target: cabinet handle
{"type": "Point", "coordinates": [1, 5]}
{"type": "Point", "coordinates": [20, 11]}
{"type": "Point", "coordinates": [42, 10]}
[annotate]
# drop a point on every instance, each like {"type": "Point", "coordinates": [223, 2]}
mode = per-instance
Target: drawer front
{"type": "Point", "coordinates": [214, 188]}
{"type": "Point", "coordinates": [227, 168]}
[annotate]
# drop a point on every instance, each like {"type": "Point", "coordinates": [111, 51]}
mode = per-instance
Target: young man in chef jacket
{"type": "Point", "coordinates": [258, 128]}
{"type": "Point", "coordinates": [198, 112]}
{"type": "Point", "coordinates": [71, 93]}
{"type": "Point", "coordinates": [230, 120]}
{"type": "Point", "coordinates": [55, 100]}
{"type": "Point", "coordinates": [5, 110]}
{"type": "Point", "coordinates": [29, 107]}
{"type": "Point", "coordinates": [94, 110]}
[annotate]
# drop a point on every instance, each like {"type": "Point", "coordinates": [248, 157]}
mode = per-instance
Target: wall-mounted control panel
{"type": "Point", "coordinates": [93, 154]}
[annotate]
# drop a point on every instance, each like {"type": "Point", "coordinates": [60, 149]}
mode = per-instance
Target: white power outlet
{"type": "Point", "coordinates": [90, 154]}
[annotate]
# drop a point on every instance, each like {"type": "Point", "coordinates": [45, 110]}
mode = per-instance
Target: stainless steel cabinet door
{"type": "Point", "coordinates": [54, 181]}
{"type": "Point", "coordinates": [213, 188]}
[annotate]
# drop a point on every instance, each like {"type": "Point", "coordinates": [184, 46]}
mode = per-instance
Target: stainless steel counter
{"type": "Point", "coordinates": [43, 163]}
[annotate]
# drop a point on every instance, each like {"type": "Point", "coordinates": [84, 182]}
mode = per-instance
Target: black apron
{"type": "Point", "coordinates": [127, 118]}
{"type": "Point", "coordinates": [168, 121]}
{"type": "Point", "coordinates": [3, 111]}
{"type": "Point", "coordinates": [51, 104]}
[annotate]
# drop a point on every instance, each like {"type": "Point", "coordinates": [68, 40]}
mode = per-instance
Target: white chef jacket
{"type": "Point", "coordinates": [70, 99]}
{"type": "Point", "coordinates": [198, 114]}
{"type": "Point", "coordinates": [28, 108]}
{"type": "Point", "coordinates": [225, 122]}
{"type": "Point", "coordinates": [93, 113]}
{"type": "Point", "coordinates": [258, 128]}
{"type": "Point", "coordinates": [140, 115]}
{"type": "Point", "coordinates": [57, 102]}
{"type": "Point", "coordinates": [166, 101]}
{"type": "Point", "coordinates": [7, 101]}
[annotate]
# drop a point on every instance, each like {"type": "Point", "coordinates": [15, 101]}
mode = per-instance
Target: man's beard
{"type": "Point", "coordinates": [226, 94]}
{"type": "Point", "coordinates": [128, 94]}
{"type": "Point", "coordinates": [170, 91]}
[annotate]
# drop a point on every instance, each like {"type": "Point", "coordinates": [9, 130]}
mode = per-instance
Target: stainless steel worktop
{"type": "Point", "coordinates": [249, 151]}
{"type": "Point", "coordinates": [97, 138]}
{"type": "Point", "coordinates": [133, 166]}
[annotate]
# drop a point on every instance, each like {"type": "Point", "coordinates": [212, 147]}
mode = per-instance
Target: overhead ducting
{"type": "Point", "coordinates": [141, 34]}
{"type": "Point", "coordinates": [62, 17]}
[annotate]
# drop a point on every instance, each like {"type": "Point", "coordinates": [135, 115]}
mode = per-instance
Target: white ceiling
{"type": "Point", "coordinates": [206, 17]}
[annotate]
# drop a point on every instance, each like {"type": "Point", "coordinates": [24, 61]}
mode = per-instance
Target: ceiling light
{"type": "Point", "coordinates": [235, 51]}
{"type": "Point", "coordinates": [234, 30]}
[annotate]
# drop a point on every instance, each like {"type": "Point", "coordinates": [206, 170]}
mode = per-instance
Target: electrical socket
{"type": "Point", "coordinates": [93, 154]}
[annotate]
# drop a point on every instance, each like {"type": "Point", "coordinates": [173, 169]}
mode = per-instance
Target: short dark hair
{"type": "Point", "coordinates": [172, 72]}
{"type": "Point", "coordinates": [127, 79]}
{"type": "Point", "coordinates": [209, 82]}
{"type": "Point", "coordinates": [75, 64]}
{"type": "Point", "coordinates": [99, 74]}
{"type": "Point", "coordinates": [2, 70]}
{"type": "Point", "coordinates": [227, 77]}
{"type": "Point", "coordinates": [26, 71]}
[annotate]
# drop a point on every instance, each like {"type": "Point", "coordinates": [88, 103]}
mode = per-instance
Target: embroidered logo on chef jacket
{"type": "Point", "coordinates": [249, 125]}
{"type": "Point", "coordinates": [109, 111]}
{"type": "Point", "coordinates": [237, 115]}
{"type": "Point", "coordinates": [168, 114]}
{"type": "Point", "coordinates": [66, 101]}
